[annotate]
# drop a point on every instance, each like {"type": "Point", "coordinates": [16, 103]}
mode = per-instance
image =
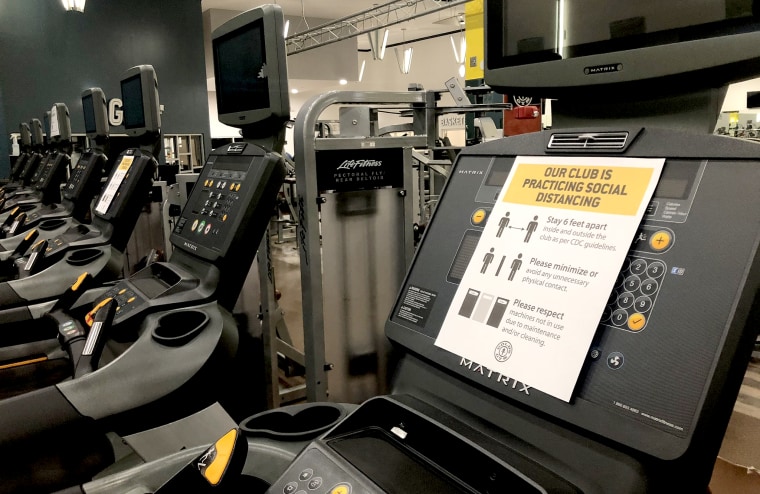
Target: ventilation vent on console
{"type": "Point", "coordinates": [591, 140]}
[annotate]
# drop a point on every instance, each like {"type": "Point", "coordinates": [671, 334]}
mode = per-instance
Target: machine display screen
{"type": "Point", "coordinates": [400, 472]}
{"type": "Point", "coordinates": [132, 99]}
{"type": "Point", "coordinates": [230, 163]}
{"type": "Point", "coordinates": [241, 70]}
{"type": "Point", "coordinates": [89, 114]}
{"type": "Point", "coordinates": [530, 29]}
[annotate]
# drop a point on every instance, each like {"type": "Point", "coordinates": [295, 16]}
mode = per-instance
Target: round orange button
{"type": "Point", "coordinates": [637, 321]}
{"type": "Point", "coordinates": [660, 240]}
{"type": "Point", "coordinates": [478, 216]}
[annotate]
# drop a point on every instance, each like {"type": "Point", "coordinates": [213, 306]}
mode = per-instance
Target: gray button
{"type": "Point", "coordinates": [306, 474]}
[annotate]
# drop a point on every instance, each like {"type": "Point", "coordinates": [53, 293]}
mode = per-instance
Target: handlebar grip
{"type": "Point", "coordinates": [11, 216]}
{"type": "Point", "coordinates": [20, 219]}
{"type": "Point", "coordinates": [84, 282]}
{"type": "Point", "coordinates": [27, 242]}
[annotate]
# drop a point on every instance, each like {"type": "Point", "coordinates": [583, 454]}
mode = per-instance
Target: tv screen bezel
{"type": "Point", "coordinates": [99, 112]}
{"type": "Point", "coordinates": [275, 55]}
{"type": "Point", "coordinates": [150, 102]}
{"type": "Point", "coordinates": [35, 126]}
{"type": "Point", "coordinates": [695, 64]}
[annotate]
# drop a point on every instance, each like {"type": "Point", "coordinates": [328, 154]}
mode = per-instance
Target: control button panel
{"type": "Point", "coordinates": [314, 473]}
{"type": "Point", "coordinates": [635, 293]}
{"type": "Point", "coordinates": [127, 300]}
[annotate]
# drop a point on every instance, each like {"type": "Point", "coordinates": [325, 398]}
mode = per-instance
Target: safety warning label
{"type": "Point", "coordinates": [533, 293]}
{"type": "Point", "coordinates": [417, 305]}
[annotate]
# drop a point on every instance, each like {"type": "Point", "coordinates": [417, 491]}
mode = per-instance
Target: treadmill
{"type": "Point", "coordinates": [39, 274]}
{"type": "Point", "coordinates": [52, 219]}
{"type": "Point", "coordinates": [25, 143]}
{"type": "Point", "coordinates": [658, 380]}
{"type": "Point", "coordinates": [162, 344]}
{"type": "Point", "coordinates": [30, 165]}
{"type": "Point", "coordinates": [46, 181]}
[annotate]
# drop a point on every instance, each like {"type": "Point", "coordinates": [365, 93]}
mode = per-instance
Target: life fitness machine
{"type": "Point", "coordinates": [651, 403]}
{"type": "Point", "coordinates": [46, 181]}
{"type": "Point", "coordinates": [40, 273]}
{"type": "Point", "coordinates": [83, 184]}
{"type": "Point", "coordinates": [163, 344]}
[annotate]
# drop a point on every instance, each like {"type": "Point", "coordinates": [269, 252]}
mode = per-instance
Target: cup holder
{"type": "Point", "coordinates": [48, 225]}
{"type": "Point", "coordinates": [83, 257]}
{"type": "Point", "coordinates": [179, 328]}
{"type": "Point", "coordinates": [293, 423]}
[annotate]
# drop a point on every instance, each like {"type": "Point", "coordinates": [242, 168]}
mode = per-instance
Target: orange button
{"type": "Point", "coordinates": [341, 489]}
{"type": "Point", "coordinates": [224, 217]}
{"type": "Point", "coordinates": [237, 187]}
{"type": "Point", "coordinates": [232, 186]}
{"type": "Point", "coordinates": [660, 240]}
{"type": "Point", "coordinates": [478, 216]}
{"type": "Point", "coordinates": [131, 300]}
{"type": "Point", "coordinates": [636, 322]}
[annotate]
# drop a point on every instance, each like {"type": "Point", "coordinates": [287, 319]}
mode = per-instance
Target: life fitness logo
{"type": "Point", "coordinates": [115, 112]}
{"type": "Point", "coordinates": [354, 164]}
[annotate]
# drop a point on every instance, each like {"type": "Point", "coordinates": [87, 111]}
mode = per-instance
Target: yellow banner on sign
{"type": "Point", "coordinates": [126, 162]}
{"type": "Point", "coordinates": [600, 189]}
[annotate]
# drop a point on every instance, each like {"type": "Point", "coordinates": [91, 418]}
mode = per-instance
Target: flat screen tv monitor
{"type": "Point", "coordinates": [26, 135]}
{"type": "Point", "coordinates": [554, 47]}
{"type": "Point", "coordinates": [36, 127]}
{"type": "Point", "coordinates": [139, 96]}
{"type": "Point", "coordinates": [250, 68]}
{"type": "Point", "coordinates": [95, 112]}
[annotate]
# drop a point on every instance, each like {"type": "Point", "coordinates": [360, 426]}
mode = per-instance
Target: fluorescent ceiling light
{"type": "Point", "coordinates": [378, 52]}
{"type": "Point", "coordinates": [459, 52]}
{"type": "Point", "coordinates": [285, 29]}
{"type": "Point", "coordinates": [361, 70]}
{"type": "Point", "coordinates": [74, 5]}
{"type": "Point", "coordinates": [405, 65]}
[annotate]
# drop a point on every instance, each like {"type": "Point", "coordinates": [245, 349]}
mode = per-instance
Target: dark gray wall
{"type": "Point", "coordinates": [48, 55]}
{"type": "Point", "coordinates": [5, 162]}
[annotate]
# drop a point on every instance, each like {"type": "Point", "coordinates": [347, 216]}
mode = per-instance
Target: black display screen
{"type": "Point", "coordinates": [400, 471]}
{"type": "Point", "coordinates": [89, 114]}
{"type": "Point", "coordinates": [231, 163]}
{"type": "Point", "coordinates": [132, 99]}
{"type": "Point", "coordinates": [528, 32]}
{"type": "Point", "coordinates": [241, 70]}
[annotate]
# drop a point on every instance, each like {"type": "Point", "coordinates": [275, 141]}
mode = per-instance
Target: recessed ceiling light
{"type": "Point", "coordinates": [294, 91]}
{"type": "Point", "coordinates": [342, 82]}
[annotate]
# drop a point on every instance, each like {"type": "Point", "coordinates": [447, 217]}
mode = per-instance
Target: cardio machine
{"type": "Point", "coordinates": [662, 370]}
{"type": "Point", "coordinates": [52, 219]}
{"type": "Point", "coordinates": [51, 173]}
{"type": "Point", "coordinates": [26, 168]}
{"type": "Point", "coordinates": [40, 273]}
{"type": "Point", "coordinates": [25, 145]}
{"type": "Point", "coordinates": [162, 344]}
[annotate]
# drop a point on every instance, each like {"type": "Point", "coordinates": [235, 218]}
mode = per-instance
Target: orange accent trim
{"type": "Point", "coordinates": [23, 362]}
